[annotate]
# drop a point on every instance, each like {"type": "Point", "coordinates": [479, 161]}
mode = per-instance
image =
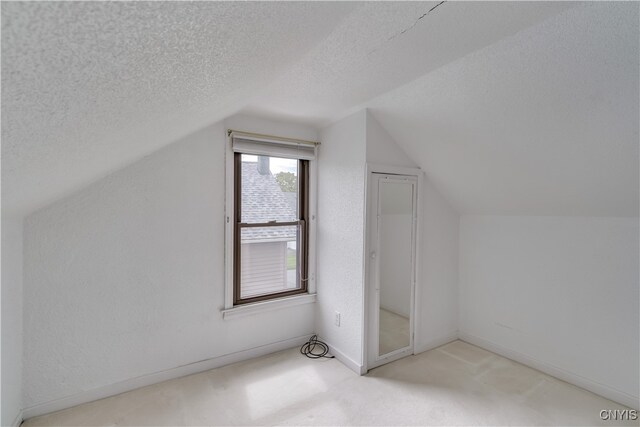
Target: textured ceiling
{"type": "Point", "coordinates": [385, 45]}
{"type": "Point", "coordinates": [523, 108]}
{"type": "Point", "coordinates": [88, 87]}
{"type": "Point", "coordinates": [541, 123]}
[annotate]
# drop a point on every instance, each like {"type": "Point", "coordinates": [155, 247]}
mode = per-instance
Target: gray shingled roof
{"type": "Point", "coordinates": [263, 201]}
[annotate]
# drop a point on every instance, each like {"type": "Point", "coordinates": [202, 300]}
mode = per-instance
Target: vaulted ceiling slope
{"type": "Point", "coordinates": [544, 122]}
{"type": "Point", "coordinates": [88, 87]}
{"type": "Point", "coordinates": [510, 107]}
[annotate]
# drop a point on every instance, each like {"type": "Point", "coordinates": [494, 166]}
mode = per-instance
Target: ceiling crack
{"type": "Point", "coordinates": [410, 27]}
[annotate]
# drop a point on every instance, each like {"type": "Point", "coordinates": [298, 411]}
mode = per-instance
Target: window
{"type": "Point", "coordinates": [270, 223]}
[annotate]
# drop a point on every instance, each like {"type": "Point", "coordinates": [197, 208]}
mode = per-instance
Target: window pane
{"type": "Point", "coordinates": [269, 189]}
{"type": "Point", "coordinates": [269, 260]}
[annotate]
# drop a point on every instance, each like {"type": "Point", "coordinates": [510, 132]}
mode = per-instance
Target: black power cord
{"type": "Point", "coordinates": [309, 349]}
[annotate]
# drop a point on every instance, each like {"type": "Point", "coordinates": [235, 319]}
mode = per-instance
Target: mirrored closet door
{"type": "Point", "coordinates": [392, 244]}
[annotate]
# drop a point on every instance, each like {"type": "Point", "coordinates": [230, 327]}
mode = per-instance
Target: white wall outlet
{"type": "Point", "coordinates": [337, 318]}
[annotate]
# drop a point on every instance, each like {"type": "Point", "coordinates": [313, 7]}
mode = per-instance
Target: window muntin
{"type": "Point", "coordinates": [271, 234]}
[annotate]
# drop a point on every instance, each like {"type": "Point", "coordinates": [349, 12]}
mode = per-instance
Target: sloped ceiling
{"type": "Point", "coordinates": [384, 46]}
{"type": "Point", "coordinates": [511, 108]}
{"type": "Point", "coordinates": [88, 87]}
{"type": "Point", "coordinates": [541, 123]}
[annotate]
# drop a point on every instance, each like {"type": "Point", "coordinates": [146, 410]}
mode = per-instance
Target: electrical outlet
{"type": "Point", "coordinates": [337, 318]}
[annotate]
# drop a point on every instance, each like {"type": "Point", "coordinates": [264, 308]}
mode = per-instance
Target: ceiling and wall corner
{"type": "Point", "coordinates": [544, 122]}
{"type": "Point", "coordinates": [384, 45]}
{"type": "Point", "coordinates": [91, 87]}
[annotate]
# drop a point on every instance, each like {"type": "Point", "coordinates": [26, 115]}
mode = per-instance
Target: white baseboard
{"type": "Point", "coordinates": [570, 377]}
{"type": "Point", "coordinates": [17, 420]}
{"type": "Point", "coordinates": [430, 345]}
{"type": "Point", "coordinates": [346, 360]}
{"type": "Point", "coordinates": [157, 377]}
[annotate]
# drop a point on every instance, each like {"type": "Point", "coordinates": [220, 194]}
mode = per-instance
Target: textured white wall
{"type": "Point", "coordinates": [126, 277]}
{"type": "Point", "coordinates": [341, 166]}
{"type": "Point", "coordinates": [561, 290]}
{"type": "Point", "coordinates": [382, 148]}
{"type": "Point", "coordinates": [437, 294]}
{"type": "Point", "coordinates": [11, 319]}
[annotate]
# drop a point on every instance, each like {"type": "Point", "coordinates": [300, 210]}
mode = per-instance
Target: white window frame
{"type": "Point", "coordinates": [229, 310]}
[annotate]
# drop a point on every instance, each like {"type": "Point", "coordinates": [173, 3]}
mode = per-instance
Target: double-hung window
{"type": "Point", "coordinates": [269, 224]}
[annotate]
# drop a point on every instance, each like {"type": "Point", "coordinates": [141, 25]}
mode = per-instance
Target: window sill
{"type": "Point", "coordinates": [263, 306]}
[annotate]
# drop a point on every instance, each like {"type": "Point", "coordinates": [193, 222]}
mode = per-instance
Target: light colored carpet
{"type": "Point", "coordinates": [457, 384]}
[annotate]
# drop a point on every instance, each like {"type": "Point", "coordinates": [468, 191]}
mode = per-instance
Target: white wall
{"type": "Point", "coordinates": [11, 390]}
{"type": "Point", "coordinates": [382, 148]}
{"type": "Point", "coordinates": [561, 290]}
{"type": "Point", "coordinates": [437, 295]}
{"type": "Point", "coordinates": [341, 171]}
{"type": "Point", "coordinates": [126, 277]}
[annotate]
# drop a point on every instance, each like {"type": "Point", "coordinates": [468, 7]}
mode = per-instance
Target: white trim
{"type": "Point", "coordinates": [393, 170]}
{"type": "Point", "coordinates": [157, 377]}
{"type": "Point", "coordinates": [375, 359]}
{"type": "Point", "coordinates": [346, 360]}
{"type": "Point", "coordinates": [370, 169]}
{"type": "Point", "coordinates": [437, 342]}
{"type": "Point", "coordinates": [562, 374]}
{"type": "Point", "coordinates": [364, 349]}
{"type": "Point", "coordinates": [228, 225]}
{"type": "Point", "coordinates": [17, 420]}
{"type": "Point", "coordinates": [312, 224]}
{"type": "Point", "coordinates": [269, 305]}
{"type": "Point", "coordinates": [390, 357]}
{"type": "Point", "coordinates": [417, 289]}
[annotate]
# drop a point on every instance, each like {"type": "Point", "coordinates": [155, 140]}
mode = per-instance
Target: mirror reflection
{"type": "Point", "coordinates": [395, 223]}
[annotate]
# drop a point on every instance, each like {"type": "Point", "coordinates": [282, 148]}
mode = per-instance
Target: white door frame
{"type": "Point", "coordinates": [369, 275]}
